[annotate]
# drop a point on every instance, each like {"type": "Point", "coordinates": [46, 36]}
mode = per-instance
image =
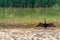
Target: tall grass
{"type": "Point", "coordinates": [21, 13]}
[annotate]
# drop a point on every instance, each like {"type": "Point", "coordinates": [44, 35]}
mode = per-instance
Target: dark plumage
{"type": "Point", "coordinates": [45, 25]}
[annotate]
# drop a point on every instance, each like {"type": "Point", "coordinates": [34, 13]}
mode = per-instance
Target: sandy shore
{"type": "Point", "coordinates": [30, 34]}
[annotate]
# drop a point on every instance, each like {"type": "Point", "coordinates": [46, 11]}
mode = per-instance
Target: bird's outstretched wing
{"type": "Point", "coordinates": [40, 25]}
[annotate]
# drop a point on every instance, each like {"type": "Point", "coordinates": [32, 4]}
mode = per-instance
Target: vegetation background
{"type": "Point", "coordinates": [29, 9]}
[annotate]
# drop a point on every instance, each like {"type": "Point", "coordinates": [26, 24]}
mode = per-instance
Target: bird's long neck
{"type": "Point", "coordinates": [45, 21]}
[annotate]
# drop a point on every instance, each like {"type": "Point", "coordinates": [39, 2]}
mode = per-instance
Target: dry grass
{"type": "Point", "coordinates": [28, 23]}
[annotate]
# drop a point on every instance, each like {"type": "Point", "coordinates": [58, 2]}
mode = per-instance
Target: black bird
{"type": "Point", "coordinates": [45, 25]}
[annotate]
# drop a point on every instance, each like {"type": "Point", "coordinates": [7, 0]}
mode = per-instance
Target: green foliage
{"type": "Point", "coordinates": [29, 13]}
{"type": "Point", "coordinates": [27, 3]}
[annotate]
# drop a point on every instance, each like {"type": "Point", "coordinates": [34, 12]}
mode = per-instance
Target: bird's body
{"type": "Point", "coordinates": [45, 25]}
